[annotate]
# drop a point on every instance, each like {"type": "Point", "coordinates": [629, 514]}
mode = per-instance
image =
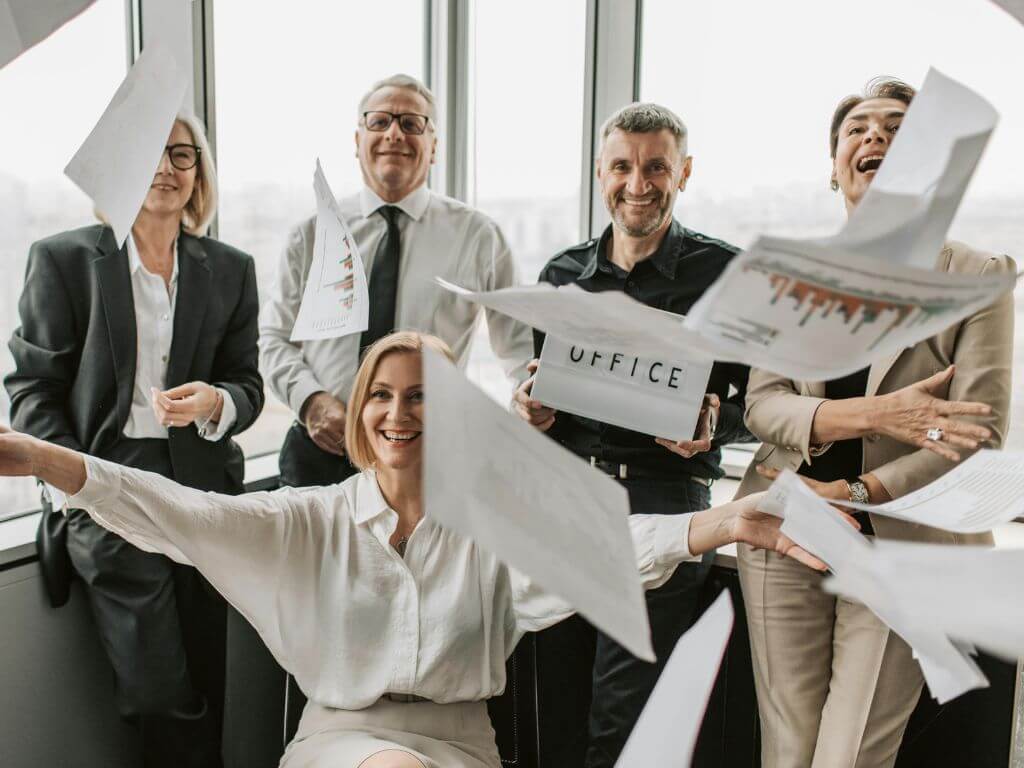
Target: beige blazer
{"type": "Point", "coordinates": [780, 410]}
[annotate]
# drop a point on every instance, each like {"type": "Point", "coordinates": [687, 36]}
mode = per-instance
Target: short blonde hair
{"type": "Point", "coordinates": [357, 444]}
{"type": "Point", "coordinates": [202, 206]}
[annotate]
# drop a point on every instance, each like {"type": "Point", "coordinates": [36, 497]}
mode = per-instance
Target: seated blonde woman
{"type": "Point", "coordinates": [396, 629]}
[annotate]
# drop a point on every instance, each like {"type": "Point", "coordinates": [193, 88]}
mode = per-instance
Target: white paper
{"type": "Point", "coordinates": [666, 733]}
{"type": "Point", "coordinates": [336, 300]}
{"type": "Point", "coordinates": [605, 320]}
{"type": "Point", "coordinates": [24, 23]}
{"type": "Point", "coordinates": [826, 307]}
{"type": "Point", "coordinates": [817, 527]}
{"type": "Point", "coordinates": [658, 397]}
{"type": "Point", "coordinates": [170, 22]}
{"type": "Point", "coordinates": [491, 477]}
{"type": "Point", "coordinates": [1013, 7]}
{"type": "Point", "coordinates": [981, 492]}
{"type": "Point", "coordinates": [116, 163]}
{"type": "Point", "coordinates": [910, 204]}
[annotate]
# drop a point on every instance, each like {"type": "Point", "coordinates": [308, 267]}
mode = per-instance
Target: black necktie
{"type": "Point", "coordinates": [384, 281]}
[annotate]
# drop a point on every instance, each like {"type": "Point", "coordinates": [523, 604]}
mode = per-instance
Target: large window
{"type": "Point", "coordinates": [52, 95]}
{"type": "Point", "coordinates": [526, 119]}
{"type": "Point", "coordinates": [756, 84]}
{"type": "Point", "coordinates": [288, 87]}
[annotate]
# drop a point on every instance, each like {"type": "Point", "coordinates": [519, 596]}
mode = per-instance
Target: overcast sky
{"type": "Point", "coordinates": [755, 81]}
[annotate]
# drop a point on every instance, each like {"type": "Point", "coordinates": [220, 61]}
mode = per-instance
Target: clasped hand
{"type": "Point", "coordinates": [194, 402]}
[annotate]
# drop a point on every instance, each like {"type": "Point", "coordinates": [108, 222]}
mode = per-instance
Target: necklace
{"type": "Point", "coordinates": [400, 545]}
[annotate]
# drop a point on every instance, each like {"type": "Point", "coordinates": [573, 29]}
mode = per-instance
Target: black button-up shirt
{"type": "Point", "coordinates": [672, 279]}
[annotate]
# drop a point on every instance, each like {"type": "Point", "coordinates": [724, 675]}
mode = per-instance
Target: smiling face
{"type": "Point", "coordinates": [393, 163]}
{"type": "Point", "coordinates": [171, 189]}
{"type": "Point", "coordinates": [393, 414]}
{"type": "Point", "coordinates": [640, 175]}
{"type": "Point", "coordinates": [865, 136]}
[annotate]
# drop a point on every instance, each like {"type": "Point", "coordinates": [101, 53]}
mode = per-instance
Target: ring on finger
{"type": "Point", "coordinates": [935, 434]}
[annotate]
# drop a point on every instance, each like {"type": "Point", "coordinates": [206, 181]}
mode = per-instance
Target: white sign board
{"type": "Point", "coordinates": [661, 397]}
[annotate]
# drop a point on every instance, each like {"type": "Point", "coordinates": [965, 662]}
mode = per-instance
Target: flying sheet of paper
{"type": "Point", "coordinates": [605, 320]}
{"type": "Point", "coordinates": [170, 22]}
{"type": "Point", "coordinates": [24, 23]}
{"type": "Point", "coordinates": [983, 491]}
{"type": "Point", "coordinates": [666, 733]}
{"type": "Point", "coordinates": [971, 593]}
{"type": "Point", "coordinates": [491, 477]}
{"type": "Point", "coordinates": [336, 300]}
{"type": "Point", "coordinates": [1013, 7]}
{"type": "Point", "coordinates": [658, 397]}
{"type": "Point", "coordinates": [817, 527]}
{"type": "Point", "coordinates": [116, 163]}
{"type": "Point", "coordinates": [822, 308]}
{"type": "Point", "coordinates": [910, 204]}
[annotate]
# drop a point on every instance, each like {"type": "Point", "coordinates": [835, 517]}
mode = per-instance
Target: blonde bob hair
{"type": "Point", "coordinates": [202, 206]}
{"type": "Point", "coordinates": [357, 444]}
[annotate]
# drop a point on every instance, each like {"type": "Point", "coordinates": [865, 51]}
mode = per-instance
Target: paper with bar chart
{"type": "Point", "coordinates": [815, 312]}
{"type": "Point", "coordinates": [825, 307]}
{"type": "Point", "coordinates": [335, 301]}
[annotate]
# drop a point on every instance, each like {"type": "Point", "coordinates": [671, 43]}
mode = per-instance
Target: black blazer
{"type": "Point", "coordinates": [75, 351]}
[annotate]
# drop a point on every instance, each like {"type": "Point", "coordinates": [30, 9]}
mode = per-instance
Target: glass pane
{"type": "Point", "coordinates": [526, 107]}
{"type": "Point", "coordinates": [52, 95]}
{"type": "Point", "coordinates": [288, 88]}
{"type": "Point", "coordinates": [759, 117]}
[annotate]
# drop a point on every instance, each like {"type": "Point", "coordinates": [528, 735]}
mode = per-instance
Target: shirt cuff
{"type": "Point", "coordinates": [102, 485]}
{"type": "Point", "coordinates": [672, 539]}
{"type": "Point", "coordinates": [228, 417]}
{"type": "Point", "coordinates": [300, 392]}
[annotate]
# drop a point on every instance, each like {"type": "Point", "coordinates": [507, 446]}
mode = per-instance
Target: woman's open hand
{"type": "Point", "coordinates": [762, 531]}
{"type": "Point", "coordinates": [907, 414]}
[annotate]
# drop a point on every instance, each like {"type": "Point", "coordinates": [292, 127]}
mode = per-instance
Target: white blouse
{"type": "Point", "coordinates": [313, 571]}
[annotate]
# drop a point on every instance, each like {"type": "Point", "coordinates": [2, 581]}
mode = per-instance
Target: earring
{"type": "Point", "coordinates": [834, 184]}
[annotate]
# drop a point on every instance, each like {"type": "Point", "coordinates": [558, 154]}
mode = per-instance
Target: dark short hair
{"type": "Point", "coordinates": [879, 88]}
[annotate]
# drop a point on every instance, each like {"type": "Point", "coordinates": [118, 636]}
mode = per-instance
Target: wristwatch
{"type": "Point", "coordinates": [858, 491]}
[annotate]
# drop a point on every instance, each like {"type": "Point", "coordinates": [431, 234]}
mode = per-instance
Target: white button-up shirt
{"type": "Point", "coordinates": [439, 236]}
{"type": "Point", "coordinates": [154, 303]}
{"type": "Point", "coordinates": [338, 607]}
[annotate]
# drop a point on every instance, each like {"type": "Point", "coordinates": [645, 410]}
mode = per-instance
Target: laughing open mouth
{"type": "Point", "coordinates": [869, 163]}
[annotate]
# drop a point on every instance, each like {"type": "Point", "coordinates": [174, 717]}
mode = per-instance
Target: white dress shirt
{"type": "Point", "coordinates": [440, 236]}
{"type": "Point", "coordinates": [154, 303]}
{"type": "Point", "coordinates": [334, 602]}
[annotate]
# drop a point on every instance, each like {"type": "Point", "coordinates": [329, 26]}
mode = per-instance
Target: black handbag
{"type": "Point", "coordinates": [52, 548]}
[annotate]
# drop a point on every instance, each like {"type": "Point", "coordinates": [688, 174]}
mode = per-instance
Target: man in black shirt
{"type": "Point", "coordinates": [647, 254]}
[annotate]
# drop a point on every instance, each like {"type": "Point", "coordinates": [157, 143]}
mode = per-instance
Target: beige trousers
{"type": "Point", "coordinates": [835, 687]}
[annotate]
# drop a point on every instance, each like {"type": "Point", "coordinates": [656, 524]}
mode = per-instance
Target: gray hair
{"type": "Point", "coordinates": [646, 117]}
{"type": "Point", "coordinates": [401, 81]}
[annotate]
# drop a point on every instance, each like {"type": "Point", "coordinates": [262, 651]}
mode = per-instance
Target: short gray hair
{"type": "Point", "coordinates": [401, 81]}
{"type": "Point", "coordinates": [646, 117]}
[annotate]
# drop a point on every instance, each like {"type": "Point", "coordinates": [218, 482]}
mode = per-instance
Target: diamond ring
{"type": "Point", "coordinates": [935, 434]}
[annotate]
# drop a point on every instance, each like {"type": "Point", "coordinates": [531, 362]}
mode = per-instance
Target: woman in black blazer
{"type": "Point", "coordinates": [146, 355]}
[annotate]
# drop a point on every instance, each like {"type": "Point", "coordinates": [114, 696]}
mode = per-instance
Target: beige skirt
{"type": "Point", "coordinates": [440, 735]}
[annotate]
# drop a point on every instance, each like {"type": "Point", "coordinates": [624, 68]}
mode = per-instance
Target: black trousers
{"type": "Point", "coordinates": [302, 462]}
{"type": "Point", "coordinates": [163, 628]}
{"type": "Point", "coordinates": [591, 690]}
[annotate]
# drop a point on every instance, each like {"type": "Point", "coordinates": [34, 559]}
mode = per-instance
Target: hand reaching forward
{"type": "Point", "coordinates": [762, 531]}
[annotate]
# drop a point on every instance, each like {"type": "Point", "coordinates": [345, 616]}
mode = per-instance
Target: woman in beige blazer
{"type": "Point", "coordinates": [835, 686]}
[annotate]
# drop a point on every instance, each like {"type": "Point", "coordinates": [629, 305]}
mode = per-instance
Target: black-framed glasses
{"type": "Point", "coordinates": [408, 122]}
{"type": "Point", "coordinates": [184, 157]}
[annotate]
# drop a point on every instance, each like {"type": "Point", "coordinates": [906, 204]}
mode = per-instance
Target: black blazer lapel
{"type": "Point", "coordinates": [194, 281]}
{"type": "Point", "coordinates": [115, 283]}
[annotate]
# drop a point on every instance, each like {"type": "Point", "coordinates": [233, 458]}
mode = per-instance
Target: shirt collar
{"type": "Point", "coordinates": [135, 261]}
{"type": "Point", "coordinates": [414, 205]}
{"type": "Point", "coordinates": [664, 259]}
{"type": "Point", "coordinates": [370, 501]}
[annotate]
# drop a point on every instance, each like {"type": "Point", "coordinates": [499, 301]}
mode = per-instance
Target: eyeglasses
{"type": "Point", "coordinates": [184, 157]}
{"type": "Point", "coordinates": [409, 122]}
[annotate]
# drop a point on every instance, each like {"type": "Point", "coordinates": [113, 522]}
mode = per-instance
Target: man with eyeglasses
{"type": "Point", "coordinates": [406, 234]}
